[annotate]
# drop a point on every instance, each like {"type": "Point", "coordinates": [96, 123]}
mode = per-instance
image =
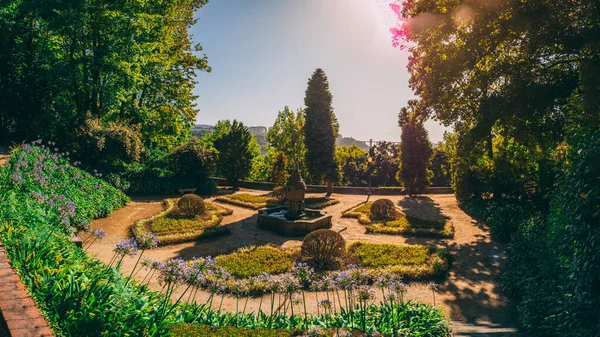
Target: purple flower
{"type": "Point", "coordinates": [127, 247]}
{"type": "Point", "coordinates": [325, 304]}
{"type": "Point", "coordinates": [99, 234]}
{"type": "Point", "coordinates": [148, 240]}
{"type": "Point", "coordinates": [173, 271]}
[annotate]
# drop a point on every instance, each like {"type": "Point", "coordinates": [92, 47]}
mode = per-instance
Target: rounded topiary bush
{"type": "Point", "coordinates": [191, 205]}
{"type": "Point", "coordinates": [383, 209]}
{"type": "Point", "coordinates": [324, 248]}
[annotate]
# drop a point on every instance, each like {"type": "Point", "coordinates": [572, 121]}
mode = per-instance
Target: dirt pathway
{"type": "Point", "coordinates": [470, 294]}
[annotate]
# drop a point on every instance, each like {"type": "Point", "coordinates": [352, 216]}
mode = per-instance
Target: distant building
{"type": "Point", "coordinates": [258, 130]}
{"type": "Point", "coordinates": [199, 130]}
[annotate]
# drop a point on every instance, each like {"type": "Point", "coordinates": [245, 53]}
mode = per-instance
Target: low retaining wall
{"type": "Point", "coordinates": [17, 309]}
{"type": "Point", "coordinates": [268, 186]}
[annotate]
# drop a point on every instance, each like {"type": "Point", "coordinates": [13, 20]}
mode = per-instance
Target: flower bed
{"type": "Point", "coordinates": [252, 201]}
{"type": "Point", "coordinates": [80, 296]}
{"type": "Point", "coordinates": [170, 228]}
{"type": "Point", "coordinates": [253, 261]}
{"type": "Point", "coordinates": [400, 224]}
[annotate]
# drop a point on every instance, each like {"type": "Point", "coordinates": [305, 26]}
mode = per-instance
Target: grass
{"type": "Point", "coordinates": [255, 260]}
{"type": "Point", "coordinates": [401, 224]}
{"type": "Point", "coordinates": [256, 202]}
{"type": "Point", "coordinates": [412, 262]}
{"type": "Point", "coordinates": [171, 228]}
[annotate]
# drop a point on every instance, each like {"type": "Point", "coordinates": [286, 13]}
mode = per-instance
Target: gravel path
{"type": "Point", "coordinates": [470, 295]}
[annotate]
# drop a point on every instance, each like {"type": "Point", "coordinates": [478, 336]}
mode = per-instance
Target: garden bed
{"type": "Point", "coordinates": [400, 224]}
{"type": "Point", "coordinates": [257, 202]}
{"type": "Point", "coordinates": [248, 267]}
{"type": "Point", "coordinates": [171, 228]}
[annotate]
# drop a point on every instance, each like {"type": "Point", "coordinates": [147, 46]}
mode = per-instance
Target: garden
{"type": "Point", "coordinates": [46, 199]}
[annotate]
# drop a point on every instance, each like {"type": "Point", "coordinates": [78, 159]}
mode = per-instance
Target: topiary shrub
{"type": "Point", "coordinates": [191, 205]}
{"type": "Point", "coordinates": [383, 209]}
{"type": "Point", "coordinates": [324, 248]}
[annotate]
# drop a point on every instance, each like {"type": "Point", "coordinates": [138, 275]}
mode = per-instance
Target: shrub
{"type": "Point", "coordinates": [192, 162]}
{"type": "Point", "coordinates": [323, 248]}
{"type": "Point", "coordinates": [191, 205]}
{"type": "Point", "coordinates": [261, 201]}
{"type": "Point", "coordinates": [383, 209]}
{"type": "Point", "coordinates": [253, 261]}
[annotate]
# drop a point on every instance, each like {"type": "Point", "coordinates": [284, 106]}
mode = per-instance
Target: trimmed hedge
{"type": "Point", "coordinates": [255, 260]}
{"type": "Point", "coordinates": [175, 230]}
{"type": "Point", "coordinates": [401, 224]}
{"type": "Point", "coordinates": [257, 202]}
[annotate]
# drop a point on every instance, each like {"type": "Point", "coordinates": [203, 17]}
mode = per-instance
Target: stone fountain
{"type": "Point", "coordinates": [293, 219]}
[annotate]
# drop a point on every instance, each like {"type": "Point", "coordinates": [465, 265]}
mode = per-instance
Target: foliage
{"type": "Point", "coordinates": [440, 167]}
{"type": "Point", "coordinates": [415, 152]}
{"type": "Point", "coordinates": [236, 149]}
{"type": "Point", "coordinates": [188, 330]}
{"type": "Point", "coordinates": [385, 163]}
{"type": "Point", "coordinates": [191, 205]}
{"type": "Point", "coordinates": [320, 130]}
{"type": "Point", "coordinates": [49, 178]}
{"type": "Point", "coordinates": [352, 163]}
{"type": "Point", "coordinates": [412, 262]}
{"type": "Point", "coordinates": [383, 209]}
{"type": "Point", "coordinates": [323, 247]}
{"type": "Point", "coordinates": [61, 61]}
{"type": "Point", "coordinates": [279, 171]}
{"type": "Point", "coordinates": [187, 166]}
{"type": "Point", "coordinates": [400, 224]}
{"type": "Point", "coordinates": [170, 228]}
{"type": "Point", "coordinates": [253, 201]}
{"type": "Point", "coordinates": [287, 136]}
{"type": "Point", "coordinates": [255, 260]}
{"type": "Point", "coordinates": [261, 166]}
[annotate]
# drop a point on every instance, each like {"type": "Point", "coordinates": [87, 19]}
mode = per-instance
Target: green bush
{"type": "Point", "coordinates": [191, 205]}
{"type": "Point", "coordinates": [383, 209]}
{"type": "Point", "coordinates": [324, 248]}
{"type": "Point", "coordinates": [253, 261]}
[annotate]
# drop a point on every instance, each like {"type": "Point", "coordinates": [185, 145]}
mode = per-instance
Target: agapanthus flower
{"type": "Point", "coordinates": [127, 247]}
{"type": "Point", "coordinates": [303, 271]}
{"type": "Point", "coordinates": [325, 304]}
{"type": "Point", "coordinates": [148, 240]}
{"type": "Point", "coordinates": [364, 293]}
{"type": "Point", "coordinates": [432, 286]}
{"type": "Point", "coordinates": [173, 271]}
{"type": "Point", "coordinates": [98, 234]}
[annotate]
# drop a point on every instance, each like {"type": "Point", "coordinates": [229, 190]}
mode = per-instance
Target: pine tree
{"type": "Point", "coordinates": [415, 152]}
{"type": "Point", "coordinates": [320, 131]}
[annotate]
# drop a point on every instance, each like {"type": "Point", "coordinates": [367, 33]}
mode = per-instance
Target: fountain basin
{"type": "Point", "coordinates": [274, 219]}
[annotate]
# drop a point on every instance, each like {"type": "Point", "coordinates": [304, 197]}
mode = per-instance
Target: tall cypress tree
{"type": "Point", "coordinates": [415, 152]}
{"type": "Point", "coordinates": [320, 130]}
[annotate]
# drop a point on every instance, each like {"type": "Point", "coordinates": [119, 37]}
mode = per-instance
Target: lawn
{"type": "Point", "coordinates": [171, 228]}
{"type": "Point", "coordinates": [400, 224]}
{"type": "Point", "coordinates": [412, 262]}
{"type": "Point", "coordinates": [261, 201]}
{"type": "Point", "coordinates": [255, 260]}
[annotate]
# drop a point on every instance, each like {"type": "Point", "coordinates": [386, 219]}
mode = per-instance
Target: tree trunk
{"type": "Point", "coordinates": [329, 188]}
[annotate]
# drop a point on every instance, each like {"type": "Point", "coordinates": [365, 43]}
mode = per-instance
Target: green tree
{"type": "Point", "coordinates": [439, 167]}
{"type": "Point", "coordinates": [320, 131]}
{"type": "Point", "coordinates": [235, 151]}
{"type": "Point", "coordinates": [415, 152]}
{"type": "Point", "coordinates": [131, 62]}
{"type": "Point", "coordinates": [287, 135]}
{"type": "Point", "coordinates": [352, 163]}
{"type": "Point", "coordinates": [384, 166]}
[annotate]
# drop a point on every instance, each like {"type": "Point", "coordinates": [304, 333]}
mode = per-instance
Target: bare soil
{"type": "Point", "coordinates": [470, 293]}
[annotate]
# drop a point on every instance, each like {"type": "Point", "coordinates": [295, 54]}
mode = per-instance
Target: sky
{"type": "Point", "coordinates": [262, 53]}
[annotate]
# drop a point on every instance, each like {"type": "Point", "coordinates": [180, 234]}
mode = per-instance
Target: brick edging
{"type": "Point", "coordinates": [17, 309]}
